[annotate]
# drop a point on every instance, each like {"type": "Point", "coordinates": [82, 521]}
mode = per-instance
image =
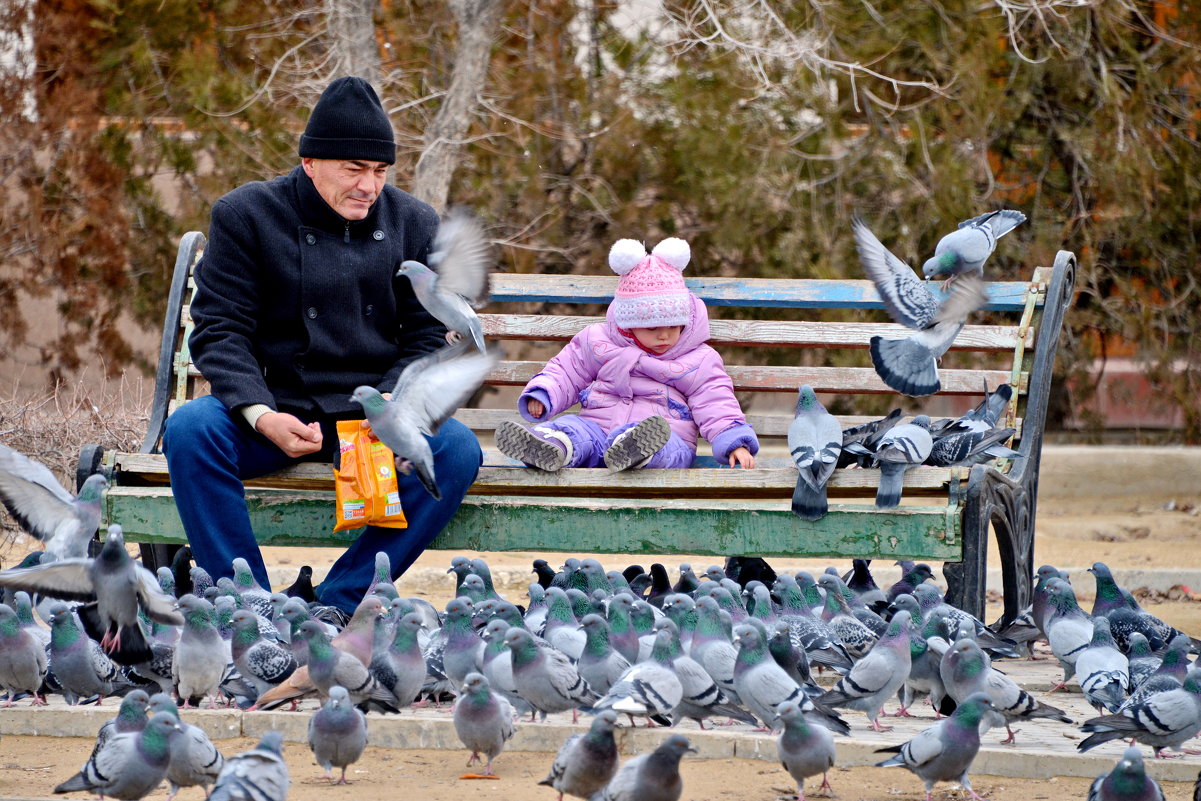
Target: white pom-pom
{"type": "Point", "coordinates": [625, 254]}
{"type": "Point", "coordinates": [674, 251]}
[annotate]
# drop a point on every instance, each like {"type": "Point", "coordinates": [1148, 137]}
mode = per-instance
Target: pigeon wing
{"type": "Point", "coordinates": [905, 295]}
{"type": "Point", "coordinates": [68, 579]}
{"type": "Point", "coordinates": [462, 257]}
{"type": "Point", "coordinates": [433, 388]}
{"type": "Point", "coordinates": [36, 507]}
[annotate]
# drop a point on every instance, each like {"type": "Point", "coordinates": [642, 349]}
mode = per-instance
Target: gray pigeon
{"type": "Point", "coordinates": [587, 761]}
{"type": "Point", "coordinates": [195, 761]}
{"type": "Point", "coordinates": [337, 733]}
{"type": "Point", "coordinates": [649, 777]}
{"type": "Point", "coordinates": [329, 665]}
{"type": "Point", "coordinates": [878, 675]}
{"type": "Point", "coordinates": [464, 651]}
{"type": "Point", "coordinates": [77, 661]}
{"type": "Point", "coordinates": [651, 688]}
{"type": "Point", "coordinates": [815, 443]}
{"type": "Point", "coordinates": [45, 509]}
{"type": "Point", "coordinates": [428, 392]}
{"type": "Point", "coordinates": [903, 448]}
{"type": "Point", "coordinates": [263, 663]}
{"type": "Point", "coordinates": [910, 365]}
{"type": "Point", "coordinates": [22, 659]}
{"type": "Point", "coordinates": [1069, 628]}
{"type": "Point", "coordinates": [256, 775]}
{"type": "Point", "coordinates": [483, 720]}
{"type": "Point", "coordinates": [1102, 670]}
{"type": "Point", "coordinates": [120, 586]}
{"type": "Point", "coordinates": [456, 280]}
{"type": "Point", "coordinates": [201, 656]}
{"type": "Point", "coordinates": [398, 665]}
{"type": "Point", "coordinates": [805, 748]}
{"type": "Point", "coordinates": [964, 250]}
{"type": "Point", "coordinates": [971, 447]}
{"type": "Point", "coordinates": [1128, 781]}
{"type": "Point", "coordinates": [762, 685]}
{"type": "Point", "coordinates": [546, 678]}
{"type": "Point", "coordinates": [130, 765]}
{"type": "Point", "coordinates": [702, 697]}
{"type": "Point", "coordinates": [131, 717]}
{"type": "Point", "coordinates": [1165, 720]}
{"type": "Point", "coordinates": [945, 751]}
{"type": "Point", "coordinates": [600, 665]}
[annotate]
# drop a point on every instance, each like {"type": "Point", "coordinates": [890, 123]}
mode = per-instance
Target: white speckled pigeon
{"type": "Point", "coordinates": [483, 720]}
{"type": "Point", "coordinates": [263, 663]}
{"type": "Point", "coordinates": [805, 748]}
{"type": "Point", "coordinates": [428, 392]}
{"type": "Point", "coordinates": [256, 775]}
{"type": "Point", "coordinates": [815, 443]}
{"type": "Point", "coordinates": [587, 760]}
{"type": "Point", "coordinates": [337, 733]}
{"type": "Point", "coordinates": [964, 251]}
{"type": "Point", "coordinates": [195, 761]}
{"type": "Point", "coordinates": [945, 751]}
{"type": "Point", "coordinates": [1165, 720]}
{"type": "Point", "coordinates": [456, 279]}
{"type": "Point", "coordinates": [649, 777]}
{"type": "Point", "coordinates": [1128, 781]}
{"type": "Point", "coordinates": [45, 509]}
{"type": "Point", "coordinates": [1102, 670]}
{"type": "Point", "coordinates": [130, 765]}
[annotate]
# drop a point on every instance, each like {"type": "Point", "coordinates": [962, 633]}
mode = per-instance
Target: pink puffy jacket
{"type": "Point", "coordinates": [616, 382]}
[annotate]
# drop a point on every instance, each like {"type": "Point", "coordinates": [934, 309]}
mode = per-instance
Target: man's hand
{"type": "Point", "coordinates": [743, 457]}
{"type": "Point", "coordinates": [535, 408]}
{"type": "Point", "coordinates": [289, 434]}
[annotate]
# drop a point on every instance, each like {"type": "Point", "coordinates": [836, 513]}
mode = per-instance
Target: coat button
{"type": "Point", "coordinates": [312, 313]}
{"type": "Point", "coordinates": [377, 236]}
{"type": "Point", "coordinates": [312, 240]}
{"type": "Point", "coordinates": [370, 309]}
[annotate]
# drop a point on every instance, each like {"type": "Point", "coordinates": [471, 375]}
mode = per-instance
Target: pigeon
{"type": "Point", "coordinates": [878, 675]}
{"type": "Point", "coordinates": [1128, 781]}
{"type": "Point", "coordinates": [337, 733]}
{"type": "Point", "coordinates": [428, 391]}
{"type": "Point", "coordinates": [1164, 720]}
{"type": "Point", "coordinates": [946, 750]}
{"type": "Point", "coordinates": [971, 447]}
{"type": "Point", "coordinates": [910, 365]}
{"type": "Point", "coordinates": [964, 251]}
{"type": "Point", "coordinates": [302, 588]}
{"type": "Point", "coordinates": [77, 661]}
{"type": "Point", "coordinates": [600, 665]}
{"type": "Point", "coordinates": [1170, 673]}
{"type": "Point", "coordinates": [130, 765]}
{"type": "Point", "coordinates": [45, 509]}
{"type": "Point", "coordinates": [195, 761]}
{"type": "Point", "coordinates": [251, 592]}
{"type": "Point", "coordinates": [1069, 629]}
{"type": "Point", "coordinates": [587, 760]}
{"type": "Point", "coordinates": [256, 775]}
{"type": "Point", "coordinates": [762, 685]}
{"type": "Point", "coordinates": [546, 678]}
{"type": "Point", "coordinates": [701, 698]}
{"type": "Point", "coordinates": [903, 448]}
{"type": "Point", "coordinates": [23, 662]}
{"type": "Point", "coordinates": [815, 443]}
{"type": "Point", "coordinates": [201, 656]}
{"type": "Point", "coordinates": [1141, 661]}
{"type": "Point", "coordinates": [131, 717]}
{"type": "Point", "coordinates": [805, 748]}
{"type": "Point", "coordinates": [649, 777]}
{"type": "Point", "coordinates": [859, 442]}
{"type": "Point", "coordinates": [966, 670]}
{"type": "Point", "coordinates": [711, 646]}
{"type": "Point", "coordinates": [397, 664]}
{"type": "Point", "coordinates": [329, 665]}
{"type": "Point", "coordinates": [983, 417]}
{"type": "Point", "coordinates": [464, 651]}
{"type": "Point", "coordinates": [651, 688]}
{"type": "Point", "coordinates": [120, 586]}
{"type": "Point", "coordinates": [483, 720]}
{"type": "Point", "coordinates": [456, 280]}
{"type": "Point", "coordinates": [1102, 670]}
{"type": "Point", "coordinates": [856, 638]}
{"type": "Point", "coordinates": [263, 663]}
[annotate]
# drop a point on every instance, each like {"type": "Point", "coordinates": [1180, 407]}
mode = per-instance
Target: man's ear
{"type": "Point", "coordinates": [307, 163]}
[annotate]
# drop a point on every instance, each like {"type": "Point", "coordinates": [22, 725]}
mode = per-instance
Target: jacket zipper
{"type": "Point", "coordinates": [346, 235]}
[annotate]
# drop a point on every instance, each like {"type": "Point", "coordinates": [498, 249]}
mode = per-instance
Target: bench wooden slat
{"type": "Point", "coordinates": [751, 292]}
{"type": "Point", "coordinates": [586, 525]}
{"type": "Point", "coordinates": [771, 333]}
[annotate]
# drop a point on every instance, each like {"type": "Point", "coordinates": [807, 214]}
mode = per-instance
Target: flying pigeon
{"type": "Point", "coordinates": [815, 443]}
{"type": "Point", "coordinates": [456, 280]}
{"type": "Point", "coordinates": [337, 733]}
{"type": "Point", "coordinates": [428, 391]}
{"type": "Point", "coordinates": [45, 509]}
{"type": "Point", "coordinates": [964, 250]}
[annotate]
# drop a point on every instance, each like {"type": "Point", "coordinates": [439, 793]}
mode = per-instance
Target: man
{"type": "Point", "coordinates": [297, 303]}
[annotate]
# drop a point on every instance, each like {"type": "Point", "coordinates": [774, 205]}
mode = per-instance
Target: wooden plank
{"type": "Point", "coordinates": [583, 525]}
{"type": "Point", "coordinates": [759, 292]}
{"type": "Point", "coordinates": [761, 378]}
{"type": "Point", "coordinates": [771, 333]}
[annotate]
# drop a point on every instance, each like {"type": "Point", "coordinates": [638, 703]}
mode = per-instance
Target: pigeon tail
{"type": "Point", "coordinates": [426, 476]}
{"type": "Point", "coordinates": [888, 495]}
{"type": "Point", "coordinates": [906, 366]}
{"type": "Point", "coordinates": [809, 503]}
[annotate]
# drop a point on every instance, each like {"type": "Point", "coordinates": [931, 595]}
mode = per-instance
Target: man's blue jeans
{"type": "Point", "coordinates": [209, 455]}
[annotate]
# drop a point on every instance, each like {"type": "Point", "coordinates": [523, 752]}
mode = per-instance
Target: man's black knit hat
{"type": "Point", "coordinates": [349, 122]}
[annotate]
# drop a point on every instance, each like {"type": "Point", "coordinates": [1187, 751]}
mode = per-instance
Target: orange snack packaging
{"type": "Point", "coordinates": [365, 485]}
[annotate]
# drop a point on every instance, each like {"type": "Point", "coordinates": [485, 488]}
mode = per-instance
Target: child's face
{"type": "Point", "coordinates": [658, 340]}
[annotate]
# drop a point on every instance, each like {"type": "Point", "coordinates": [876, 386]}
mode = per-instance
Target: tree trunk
{"type": "Point", "coordinates": [352, 39]}
{"type": "Point", "coordinates": [478, 22]}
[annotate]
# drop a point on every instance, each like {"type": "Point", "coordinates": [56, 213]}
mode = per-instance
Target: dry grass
{"type": "Point", "coordinates": [53, 427]}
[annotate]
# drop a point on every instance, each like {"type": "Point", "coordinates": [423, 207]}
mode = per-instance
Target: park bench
{"type": "Point", "coordinates": [714, 510]}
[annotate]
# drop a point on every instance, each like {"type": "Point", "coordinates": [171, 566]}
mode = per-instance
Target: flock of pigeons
{"type": "Point", "coordinates": [739, 643]}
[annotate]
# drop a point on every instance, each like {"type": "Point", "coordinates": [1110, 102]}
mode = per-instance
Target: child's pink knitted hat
{"type": "Point", "coordinates": [651, 291]}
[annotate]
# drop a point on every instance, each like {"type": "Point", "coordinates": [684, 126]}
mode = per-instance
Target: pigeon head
{"type": "Point", "coordinates": [806, 399]}
{"type": "Point", "coordinates": [339, 698]}
{"type": "Point", "coordinates": [272, 741]}
{"type": "Point", "coordinates": [370, 399]}
{"type": "Point", "coordinates": [92, 488]}
{"type": "Point", "coordinates": [942, 264]}
{"type": "Point", "coordinates": [475, 684]}
{"type": "Point", "coordinates": [415, 271]}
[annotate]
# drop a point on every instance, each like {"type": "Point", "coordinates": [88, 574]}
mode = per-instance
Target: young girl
{"type": "Point", "coordinates": [645, 380]}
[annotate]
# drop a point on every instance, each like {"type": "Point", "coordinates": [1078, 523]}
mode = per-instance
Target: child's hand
{"type": "Point", "coordinates": [536, 409]}
{"type": "Point", "coordinates": [743, 457]}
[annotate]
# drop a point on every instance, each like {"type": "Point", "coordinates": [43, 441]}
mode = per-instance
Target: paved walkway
{"type": "Point", "coordinates": [1044, 748]}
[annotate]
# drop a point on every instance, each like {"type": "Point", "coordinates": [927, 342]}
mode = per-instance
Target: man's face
{"type": "Point", "coordinates": [349, 187]}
